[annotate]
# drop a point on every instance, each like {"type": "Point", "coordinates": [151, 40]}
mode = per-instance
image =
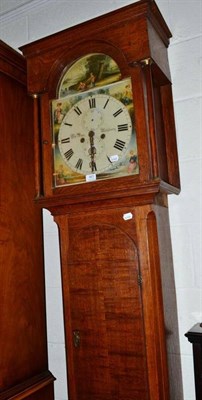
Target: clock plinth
{"type": "Point", "coordinates": [106, 159]}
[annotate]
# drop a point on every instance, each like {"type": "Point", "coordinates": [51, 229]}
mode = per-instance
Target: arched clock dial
{"type": "Point", "coordinates": [95, 134]}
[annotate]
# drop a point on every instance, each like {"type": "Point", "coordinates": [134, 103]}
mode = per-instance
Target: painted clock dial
{"type": "Point", "coordinates": [94, 130]}
{"type": "Point", "coordinates": [95, 134]}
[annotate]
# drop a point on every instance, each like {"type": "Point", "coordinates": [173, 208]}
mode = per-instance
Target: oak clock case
{"type": "Point", "coordinates": [106, 159]}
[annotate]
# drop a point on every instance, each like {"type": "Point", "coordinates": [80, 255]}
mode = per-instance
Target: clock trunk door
{"type": "Point", "coordinates": [107, 334]}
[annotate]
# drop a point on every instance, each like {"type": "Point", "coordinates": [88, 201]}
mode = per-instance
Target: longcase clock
{"type": "Point", "coordinates": [106, 159]}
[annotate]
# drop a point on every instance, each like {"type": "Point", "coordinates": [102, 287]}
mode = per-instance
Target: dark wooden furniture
{"type": "Point", "coordinates": [194, 336]}
{"type": "Point", "coordinates": [118, 284]}
{"type": "Point", "coordinates": [23, 348]}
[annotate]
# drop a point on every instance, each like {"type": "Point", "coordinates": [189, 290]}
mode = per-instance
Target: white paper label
{"type": "Point", "coordinates": [114, 158]}
{"type": "Point", "coordinates": [127, 216]}
{"type": "Point", "coordinates": [90, 177]}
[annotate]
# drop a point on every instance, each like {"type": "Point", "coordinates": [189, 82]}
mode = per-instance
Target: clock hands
{"type": "Point", "coordinates": [92, 151]}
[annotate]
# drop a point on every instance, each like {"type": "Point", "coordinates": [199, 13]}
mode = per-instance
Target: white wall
{"type": "Point", "coordinates": [43, 17]}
